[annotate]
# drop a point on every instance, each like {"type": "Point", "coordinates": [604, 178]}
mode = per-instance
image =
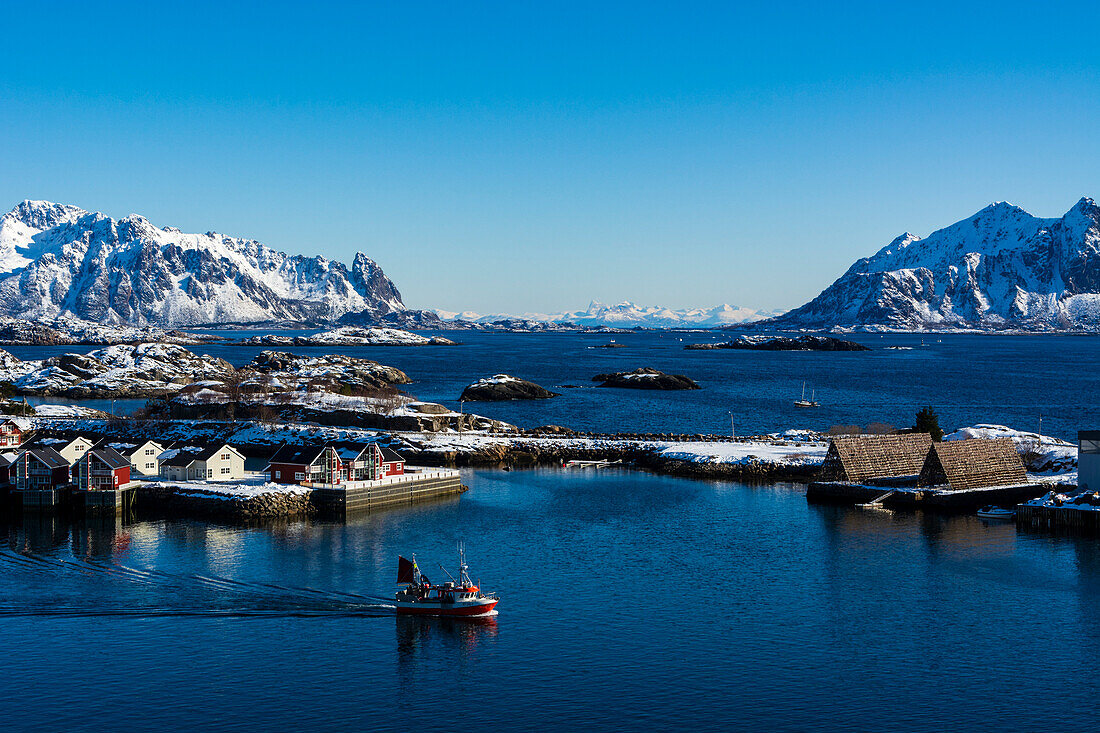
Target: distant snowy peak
{"type": "Point", "coordinates": [628, 315]}
{"type": "Point", "coordinates": [1001, 268]}
{"type": "Point", "coordinates": [59, 260]}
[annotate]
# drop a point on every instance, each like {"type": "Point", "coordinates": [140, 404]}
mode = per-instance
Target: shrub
{"type": "Point", "coordinates": [929, 422]}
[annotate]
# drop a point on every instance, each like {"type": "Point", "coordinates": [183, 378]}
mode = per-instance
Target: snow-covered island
{"type": "Point", "coordinates": [351, 336]}
{"type": "Point", "coordinates": [64, 331]}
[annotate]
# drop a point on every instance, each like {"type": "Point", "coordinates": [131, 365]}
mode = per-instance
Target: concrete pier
{"type": "Point", "coordinates": [363, 496]}
{"type": "Point", "coordinates": [106, 501]}
{"type": "Point", "coordinates": [43, 500]}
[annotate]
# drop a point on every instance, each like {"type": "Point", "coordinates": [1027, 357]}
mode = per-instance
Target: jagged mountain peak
{"type": "Point", "coordinates": [60, 260]}
{"type": "Point", "coordinates": [44, 214]}
{"type": "Point", "coordinates": [1000, 268]}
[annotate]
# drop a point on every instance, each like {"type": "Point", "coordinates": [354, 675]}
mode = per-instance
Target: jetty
{"type": "Point", "coordinates": [913, 472]}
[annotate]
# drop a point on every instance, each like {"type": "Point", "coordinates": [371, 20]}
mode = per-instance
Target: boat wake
{"type": "Point", "coordinates": [211, 596]}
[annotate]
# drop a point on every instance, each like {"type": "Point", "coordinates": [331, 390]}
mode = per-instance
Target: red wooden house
{"type": "Point", "coordinates": [101, 468]}
{"type": "Point", "coordinates": [40, 468]}
{"type": "Point", "coordinates": [328, 464]}
{"type": "Point", "coordinates": [11, 435]}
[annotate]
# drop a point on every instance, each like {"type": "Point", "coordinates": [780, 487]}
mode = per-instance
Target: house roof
{"type": "Point", "coordinates": [862, 457]}
{"type": "Point", "coordinates": [47, 456]}
{"type": "Point", "coordinates": [299, 455]}
{"type": "Point", "coordinates": [110, 456]}
{"type": "Point", "coordinates": [973, 464]}
{"type": "Point", "coordinates": [189, 454]}
{"type": "Point", "coordinates": [391, 456]}
{"type": "Point", "coordinates": [180, 458]}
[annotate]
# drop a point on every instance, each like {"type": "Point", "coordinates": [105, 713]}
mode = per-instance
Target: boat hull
{"type": "Point", "coordinates": [433, 608]}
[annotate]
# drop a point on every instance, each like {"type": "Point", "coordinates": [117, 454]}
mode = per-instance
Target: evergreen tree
{"type": "Point", "coordinates": [929, 422]}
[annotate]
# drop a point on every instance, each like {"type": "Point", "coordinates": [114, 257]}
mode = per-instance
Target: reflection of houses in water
{"type": "Point", "coordinates": [100, 536]}
{"type": "Point", "coordinates": [40, 533]}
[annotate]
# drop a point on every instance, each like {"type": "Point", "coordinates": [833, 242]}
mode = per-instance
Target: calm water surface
{"type": "Point", "coordinates": [630, 600]}
{"type": "Point", "coordinates": [969, 379]}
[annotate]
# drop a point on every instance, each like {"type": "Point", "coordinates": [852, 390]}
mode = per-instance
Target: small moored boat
{"type": "Point", "coordinates": [461, 597]}
{"type": "Point", "coordinates": [995, 512]}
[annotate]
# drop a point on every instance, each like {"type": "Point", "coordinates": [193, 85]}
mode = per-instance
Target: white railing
{"type": "Point", "coordinates": [407, 478]}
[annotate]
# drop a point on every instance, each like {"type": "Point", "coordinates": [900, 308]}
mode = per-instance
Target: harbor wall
{"type": "Point", "coordinates": [840, 492]}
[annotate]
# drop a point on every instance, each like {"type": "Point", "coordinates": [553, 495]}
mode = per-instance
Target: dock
{"type": "Point", "coordinates": [366, 496]}
{"type": "Point", "coordinates": [1056, 518]}
{"type": "Point", "coordinates": [114, 502]}
{"type": "Point", "coordinates": [951, 501]}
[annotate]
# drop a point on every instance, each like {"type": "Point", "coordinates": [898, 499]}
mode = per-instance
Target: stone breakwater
{"type": "Point", "coordinates": [167, 499]}
{"type": "Point", "coordinates": [522, 454]}
{"type": "Point", "coordinates": [171, 500]}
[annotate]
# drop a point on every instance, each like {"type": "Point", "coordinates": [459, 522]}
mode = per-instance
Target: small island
{"type": "Point", "coordinates": [504, 387]}
{"type": "Point", "coordinates": [784, 343]}
{"type": "Point", "coordinates": [645, 378]}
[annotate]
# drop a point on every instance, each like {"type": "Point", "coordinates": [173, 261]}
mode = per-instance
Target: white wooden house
{"type": "Point", "coordinates": [217, 463]}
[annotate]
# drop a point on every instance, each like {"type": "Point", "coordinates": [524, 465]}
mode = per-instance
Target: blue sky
{"type": "Point", "coordinates": [509, 158]}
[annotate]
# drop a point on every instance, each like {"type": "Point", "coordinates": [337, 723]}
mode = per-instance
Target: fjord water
{"type": "Point", "coordinates": [969, 379]}
{"type": "Point", "coordinates": [629, 600]}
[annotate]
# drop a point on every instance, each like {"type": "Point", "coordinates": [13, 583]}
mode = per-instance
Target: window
{"type": "Point", "coordinates": [209, 473]}
{"type": "Point", "coordinates": [225, 456]}
{"type": "Point", "coordinates": [225, 470]}
{"type": "Point", "coordinates": [299, 476]}
{"type": "Point", "coordinates": [150, 465]}
{"type": "Point", "coordinates": [149, 451]}
{"type": "Point", "coordinates": [278, 474]}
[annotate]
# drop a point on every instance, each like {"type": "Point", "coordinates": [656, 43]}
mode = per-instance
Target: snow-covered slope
{"type": "Point", "coordinates": [62, 260]}
{"type": "Point", "coordinates": [1001, 268]}
{"type": "Point", "coordinates": [628, 315]}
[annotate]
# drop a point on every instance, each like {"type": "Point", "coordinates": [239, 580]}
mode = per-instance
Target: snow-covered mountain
{"type": "Point", "coordinates": [61, 260]}
{"type": "Point", "coordinates": [628, 315]}
{"type": "Point", "coordinates": [1000, 268]}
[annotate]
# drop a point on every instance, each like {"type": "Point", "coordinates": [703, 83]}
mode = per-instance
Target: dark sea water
{"type": "Point", "coordinates": [969, 379]}
{"type": "Point", "coordinates": [630, 601]}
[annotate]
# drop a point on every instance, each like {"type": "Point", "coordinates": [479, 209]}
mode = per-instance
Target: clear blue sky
{"type": "Point", "coordinates": [502, 157]}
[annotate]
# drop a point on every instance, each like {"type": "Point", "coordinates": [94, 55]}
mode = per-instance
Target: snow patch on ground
{"type": "Point", "coordinates": [1041, 454]}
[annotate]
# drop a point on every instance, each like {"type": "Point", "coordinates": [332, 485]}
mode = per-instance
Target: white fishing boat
{"type": "Point", "coordinates": [996, 512]}
{"type": "Point", "coordinates": [807, 402]}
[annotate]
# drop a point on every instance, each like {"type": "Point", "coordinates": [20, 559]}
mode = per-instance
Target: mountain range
{"type": "Point", "coordinates": [1001, 268]}
{"type": "Point", "coordinates": [626, 315]}
{"type": "Point", "coordinates": [61, 260]}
